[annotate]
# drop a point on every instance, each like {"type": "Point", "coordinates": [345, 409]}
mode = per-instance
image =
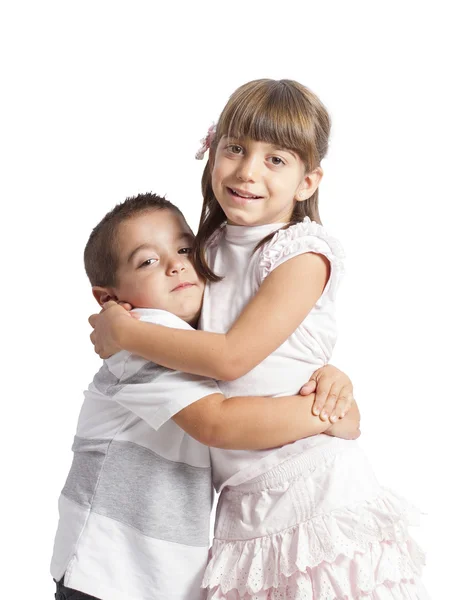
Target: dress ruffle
{"type": "Point", "coordinates": [364, 552]}
{"type": "Point", "coordinates": [301, 587]}
{"type": "Point", "coordinates": [306, 236]}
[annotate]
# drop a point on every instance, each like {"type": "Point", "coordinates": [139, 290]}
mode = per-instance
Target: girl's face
{"type": "Point", "coordinates": [257, 183]}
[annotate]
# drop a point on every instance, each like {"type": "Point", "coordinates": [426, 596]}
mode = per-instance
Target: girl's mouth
{"type": "Point", "coordinates": [242, 197]}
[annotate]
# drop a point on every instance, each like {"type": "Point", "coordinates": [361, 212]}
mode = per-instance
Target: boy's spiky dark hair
{"type": "Point", "coordinates": [100, 254]}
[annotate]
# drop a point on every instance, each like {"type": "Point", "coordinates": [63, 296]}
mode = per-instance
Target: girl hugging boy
{"type": "Point", "coordinates": [300, 513]}
{"type": "Point", "coordinates": [134, 511]}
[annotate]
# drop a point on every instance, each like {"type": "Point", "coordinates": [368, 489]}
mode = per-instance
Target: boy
{"type": "Point", "coordinates": [134, 512]}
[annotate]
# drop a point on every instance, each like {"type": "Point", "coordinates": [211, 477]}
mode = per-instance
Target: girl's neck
{"type": "Point", "coordinates": [245, 234]}
{"type": "Point", "coordinates": [252, 225]}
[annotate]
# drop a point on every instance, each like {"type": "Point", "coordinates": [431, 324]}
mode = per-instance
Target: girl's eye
{"type": "Point", "coordinates": [234, 148]}
{"type": "Point", "coordinates": [148, 262]}
{"type": "Point", "coordinates": [275, 160]}
{"type": "Point", "coordinates": [185, 251]}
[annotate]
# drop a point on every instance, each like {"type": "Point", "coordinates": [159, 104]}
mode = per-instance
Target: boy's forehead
{"type": "Point", "coordinates": [151, 227]}
{"type": "Point", "coordinates": [161, 223]}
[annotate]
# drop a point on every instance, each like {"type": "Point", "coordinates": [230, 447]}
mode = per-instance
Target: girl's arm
{"type": "Point", "coordinates": [282, 302]}
{"type": "Point", "coordinates": [256, 423]}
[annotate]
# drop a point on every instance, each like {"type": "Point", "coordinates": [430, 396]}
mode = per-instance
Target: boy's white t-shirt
{"type": "Point", "coordinates": [232, 255]}
{"type": "Point", "coordinates": [135, 509]}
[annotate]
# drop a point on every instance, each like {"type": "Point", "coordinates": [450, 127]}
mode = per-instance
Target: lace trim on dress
{"type": "Point", "coordinates": [306, 236]}
{"type": "Point", "coordinates": [348, 552]}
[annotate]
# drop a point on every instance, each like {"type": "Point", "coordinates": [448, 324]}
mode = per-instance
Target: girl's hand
{"type": "Point", "coordinates": [106, 326]}
{"type": "Point", "coordinates": [348, 428]}
{"type": "Point", "coordinates": [334, 393]}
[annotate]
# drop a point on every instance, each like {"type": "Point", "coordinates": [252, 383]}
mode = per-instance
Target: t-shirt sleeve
{"type": "Point", "coordinates": [306, 236]}
{"type": "Point", "coordinates": [152, 392]}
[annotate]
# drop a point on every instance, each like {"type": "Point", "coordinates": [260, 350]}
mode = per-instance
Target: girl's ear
{"type": "Point", "coordinates": [309, 185]}
{"type": "Point", "coordinates": [103, 295]}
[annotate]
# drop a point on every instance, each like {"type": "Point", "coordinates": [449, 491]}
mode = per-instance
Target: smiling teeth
{"type": "Point", "coordinates": [247, 197]}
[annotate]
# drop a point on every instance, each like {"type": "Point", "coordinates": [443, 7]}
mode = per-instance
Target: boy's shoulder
{"type": "Point", "coordinates": [123, 363]}
{"type": "Point", "coordinates": [161, 317]}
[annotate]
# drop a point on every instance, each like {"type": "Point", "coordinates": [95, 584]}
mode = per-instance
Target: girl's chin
{"type": "Point", "coordinates": [239, 215]}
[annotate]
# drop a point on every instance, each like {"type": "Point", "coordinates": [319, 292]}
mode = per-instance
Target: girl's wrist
{"type": "Point", "coordinates": [122, 331]}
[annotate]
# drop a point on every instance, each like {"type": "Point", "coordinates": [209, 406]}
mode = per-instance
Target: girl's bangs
{"type": "Point", "coordinates": [276, 118]}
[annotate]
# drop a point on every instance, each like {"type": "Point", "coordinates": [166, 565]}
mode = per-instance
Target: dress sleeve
{"type": "Point", "coordinates": [306, 236]}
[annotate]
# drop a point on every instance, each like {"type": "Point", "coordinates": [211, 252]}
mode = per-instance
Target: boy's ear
{"type": "Point", "coordinates": [103, 295]}
{"type": "Point", "coordinates": [309, 184]}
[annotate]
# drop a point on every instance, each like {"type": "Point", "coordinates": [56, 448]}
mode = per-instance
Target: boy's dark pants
{"type": "Point", "coordinates": [64, 593]}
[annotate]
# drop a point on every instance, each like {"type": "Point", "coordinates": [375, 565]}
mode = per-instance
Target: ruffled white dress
{"type": "Point", "coordinates": [308, 520]}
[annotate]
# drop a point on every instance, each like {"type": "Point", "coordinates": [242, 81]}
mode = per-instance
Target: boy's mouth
{"type": "Point", "coordinates": [183, 286]}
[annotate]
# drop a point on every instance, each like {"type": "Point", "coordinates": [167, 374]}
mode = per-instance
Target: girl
{"type": "Point", "coordinates": [307, 520]}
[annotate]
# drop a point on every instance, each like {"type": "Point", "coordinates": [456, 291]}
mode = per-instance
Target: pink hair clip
{"type": "Point", "coordinates": [206, 142]}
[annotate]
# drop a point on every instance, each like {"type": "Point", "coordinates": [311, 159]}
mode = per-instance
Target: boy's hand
{"type": "Point", "coordinates": [106, 324]}
{"type": "Point", "coordinates": [348, 428]}
{"type": "Point", "coordinates": [334, 393]}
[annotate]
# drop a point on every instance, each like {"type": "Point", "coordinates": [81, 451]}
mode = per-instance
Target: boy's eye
{"type": "Point", "coordinates": [276, 160]}
{"type": "Point", "coordinates": [148, 262]}
{"type": "Point", "coordinates": [185, 251]}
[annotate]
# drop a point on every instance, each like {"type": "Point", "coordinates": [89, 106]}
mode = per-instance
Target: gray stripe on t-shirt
{"type": "Point", "coordinates": [162, 499]}
{"type": "Point", "coordinates": [107, 383]}
{"type": "Point", "coordinates": [89, 456]}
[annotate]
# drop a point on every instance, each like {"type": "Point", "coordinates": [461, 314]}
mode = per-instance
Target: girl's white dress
{"type": "Point", "coordinates": [308, 520]}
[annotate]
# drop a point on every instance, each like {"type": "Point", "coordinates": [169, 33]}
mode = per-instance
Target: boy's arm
{"type": "Point", "coordinates": [250, 423]}
{"type": "Point", "coordinates": [349, 427]}
{"type": "Point", "coordinates": [156, 394]}
{"type": "Point", "coordinates": [256, 423]}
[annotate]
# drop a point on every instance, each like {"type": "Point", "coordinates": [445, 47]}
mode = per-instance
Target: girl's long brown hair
{"type": "Point", "coordinates": [283, 113]}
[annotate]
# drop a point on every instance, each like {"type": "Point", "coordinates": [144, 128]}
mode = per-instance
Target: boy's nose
{"type": "Point", "coordinates": [176, 266]}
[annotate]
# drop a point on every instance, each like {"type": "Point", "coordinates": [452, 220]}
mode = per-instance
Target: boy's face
{"type": "Point", "coordinates": [155, 264]}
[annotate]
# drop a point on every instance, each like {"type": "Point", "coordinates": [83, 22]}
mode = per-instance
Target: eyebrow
{"type": "Point", "coordinates": [288, 150]}
{"type": "Point", "coordinates": [231, 139]}
{"type": "Point", "coordinates": [181, 236]}
{"type": "Point", "coordinates": [136, 250]}
{"type": "Point", "coordinates": [186, 234]}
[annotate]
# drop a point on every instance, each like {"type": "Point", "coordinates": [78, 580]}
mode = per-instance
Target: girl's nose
{"type": "Point", "coordinates": [248, 168]}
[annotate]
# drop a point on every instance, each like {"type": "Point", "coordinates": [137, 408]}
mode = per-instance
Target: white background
{"type": "Point", "coordinates": [101, 100]}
